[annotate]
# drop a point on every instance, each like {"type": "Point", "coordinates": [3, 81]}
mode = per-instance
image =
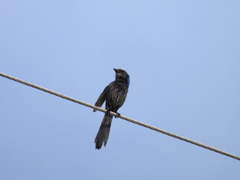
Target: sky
{"type": "Point", "coordinates": [183, 59]}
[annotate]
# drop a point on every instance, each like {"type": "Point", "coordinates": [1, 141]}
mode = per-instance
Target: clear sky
{"type": "Point", "coordinates": [183, 58]}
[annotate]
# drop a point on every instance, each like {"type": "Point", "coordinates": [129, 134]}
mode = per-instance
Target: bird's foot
{"type": "Point", "coordinates": [118, 115]}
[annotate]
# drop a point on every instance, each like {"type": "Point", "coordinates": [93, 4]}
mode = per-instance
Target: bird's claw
{"type": "Point", "coordinates": [118, 115]}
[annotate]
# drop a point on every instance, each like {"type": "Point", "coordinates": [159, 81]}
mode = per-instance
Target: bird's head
{"type": "Point", "coordinates": [122, 74]}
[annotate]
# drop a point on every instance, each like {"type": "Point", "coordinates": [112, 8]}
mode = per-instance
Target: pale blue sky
{"type": "Point", "coordinates": [183, 59]}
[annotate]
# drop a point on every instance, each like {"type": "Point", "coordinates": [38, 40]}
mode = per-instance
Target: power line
{"type": "Point", "coordinates": [122, 117]}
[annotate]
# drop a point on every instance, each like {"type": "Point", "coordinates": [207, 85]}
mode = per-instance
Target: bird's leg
{"type": "Point", "coordinates": [118, 115]}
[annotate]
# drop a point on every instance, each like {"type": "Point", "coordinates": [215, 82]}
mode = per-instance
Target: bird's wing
{"type": "Point", "coordinates": [102, 97]}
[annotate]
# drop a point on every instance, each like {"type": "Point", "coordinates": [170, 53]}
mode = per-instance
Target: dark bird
{"type": "Point", "coordinates": [114, 95]}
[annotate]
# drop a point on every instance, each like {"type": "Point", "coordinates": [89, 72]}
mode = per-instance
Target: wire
{"type": "Point", "coordinates": [121, 116]}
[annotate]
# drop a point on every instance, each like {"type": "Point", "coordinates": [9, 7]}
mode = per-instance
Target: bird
{"type": "Point", "coordinates": [114, 95]}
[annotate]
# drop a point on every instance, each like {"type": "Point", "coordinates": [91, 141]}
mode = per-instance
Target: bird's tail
{"type": "Point", "coordinates": [104, 130]}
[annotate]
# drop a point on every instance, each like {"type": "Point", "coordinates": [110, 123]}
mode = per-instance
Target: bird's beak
{"type": "Point", "coordinates": [115, 70]}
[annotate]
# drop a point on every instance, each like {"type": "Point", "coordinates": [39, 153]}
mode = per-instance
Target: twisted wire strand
{"type": "Point", "coordinates": [121, 116]}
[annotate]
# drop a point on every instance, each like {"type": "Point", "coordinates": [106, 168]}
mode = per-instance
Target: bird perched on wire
{"type": "Point", "coordinates": [114, 95]}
